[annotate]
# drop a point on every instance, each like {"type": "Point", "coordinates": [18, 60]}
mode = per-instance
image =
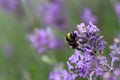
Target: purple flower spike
{"type": "Point", "coordinates": [87, 16]}
{"type": "Point", "coordinates": [9, 5]}
{"type": "Point", "coordinates": [60, 74]}
{"type": "Point", "coordinates": [117, 9]}
{"type": "Point", "coordinates": [115, 49]}
{"type": "Point", "coordinates": [43, 39]}
{"type": "Point", "coordinates": [53, 14]}
{"type": "Point", "coordinates": [88, 61]}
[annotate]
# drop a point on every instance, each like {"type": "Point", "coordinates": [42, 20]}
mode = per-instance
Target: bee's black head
{"type": "Point", "coordinates": [73, 35]}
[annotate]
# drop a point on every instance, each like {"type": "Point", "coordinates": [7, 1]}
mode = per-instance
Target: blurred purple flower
{"type": "Point", "coordinates": [87, 16]}
{"type": "Point", "coordinates": [60, 74]}
{"type": "Point", "coordinates": [53, 15]}
{"type": "Point", "coordinates": [115, 55]}
{"type": "Point", "coordinates": [43, 39]}
{"type": "Point", "coordinates": [115, 49]}
{"type": "Point", "coordinates": [9, 5]}
{"type": "Point", "coordinates": [117, 9]}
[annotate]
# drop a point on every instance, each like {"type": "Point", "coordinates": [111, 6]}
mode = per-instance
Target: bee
{"type": "Point", "coordinates": [74, 41]}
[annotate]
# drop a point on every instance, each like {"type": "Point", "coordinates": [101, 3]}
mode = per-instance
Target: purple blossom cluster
{"type": "Point", "coordinates": [9, 5]}
{"type": "Point", "coordinates": [84, 65]}
{"type": "Point", "coordinates": [87, 16]}
{"type": "Point", "coordinates": [53, 14]}
{"type": "Point", "coordinates": [115, 55]}
{"type": "Point", "coordinates": [43, 39]}
{"type": "Point", "coordinates": [60, 74]}
{"type": "Point", "coordinates": [88, 61]}
{"type": "Point", "coordinates": [115, 48]}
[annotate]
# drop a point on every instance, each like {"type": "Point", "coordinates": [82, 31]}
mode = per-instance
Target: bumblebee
{"type": "Point", "coordinates": [71, 40]}
{"type": "Point", "coordinates": [74, 41]}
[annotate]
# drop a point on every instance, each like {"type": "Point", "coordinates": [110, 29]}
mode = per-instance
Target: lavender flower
{"type": "Point", "coordinates": [89, 39]}
{"type": "Point", "coordinates": [43, 39]}
{"type": "Point", "coordinates": [9, 5]}
{"type": "Point", "coordinates": [115, 55]}
{"type": "Point", "coordinates": [60, 74]}
{"type": "Point", "coordinates": [87, 16]}
{"type": "Point", "coordinates": [84, 65]}
{"type": "Point", "coordinates": [53, 14]}
{"type": "Point", "coordinates": [115, 48]}
{"type": "Point", "coordinates": [87, 61]}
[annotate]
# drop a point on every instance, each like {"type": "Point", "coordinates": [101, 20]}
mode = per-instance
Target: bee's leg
{"type": "Point", "coordinates": [80, 49]}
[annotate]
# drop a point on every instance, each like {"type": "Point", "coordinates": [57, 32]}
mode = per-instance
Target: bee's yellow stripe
{"type": "Point", "coordinates": [68, 35]}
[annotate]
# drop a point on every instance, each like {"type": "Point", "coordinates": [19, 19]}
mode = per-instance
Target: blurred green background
{"type": "Point", "coordinates": [19, 60]}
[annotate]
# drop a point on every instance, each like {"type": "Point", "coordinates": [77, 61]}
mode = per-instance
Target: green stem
{"type": "Point", "coordinates": [46, 59]}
